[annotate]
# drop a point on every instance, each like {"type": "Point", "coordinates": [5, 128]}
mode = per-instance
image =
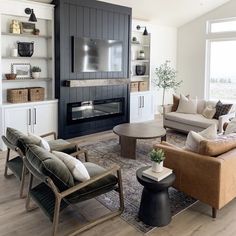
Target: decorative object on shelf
{"type": "Point", "coordinates": [14, 52]}
{"type": "Point", "coordinates": [22, 70]}
{"type": "Point", "coordinates": [36, 32]}
{"type": "Point", "coordinates": [140, 69]}
{"type": "Point", "coordinates": [36, 72]}
{"type": "Point", "coordinates": [157, 157]}
{"type": "Point", "coordinates": [27, 28]}
{"type": "Point", "coordinates": [135, 40]}
{"type": "Point", "coordinates": [145, 32]}
{"type": "Point", "coordinates": [141, 55]}
{"type": "Point", "coordinates": [142, 86]}
{"type": "Point", "coordinates": [17, 95]}
{"type": "Point", "coordinates": [36, 94]}
{"type": "Point", "coordinates": [166, 79]}
{"type": "Point", "coordinates": [15, 27]}
{"type": "Point", "coordinates": [10, 76]}
{"type": "Point", "coordinates": [30, 12]}
{"type": "Point", "coordinates": [25, 49]}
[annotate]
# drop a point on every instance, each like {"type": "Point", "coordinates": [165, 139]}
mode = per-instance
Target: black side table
{"type": "Point", "coordinates": [155, 205]}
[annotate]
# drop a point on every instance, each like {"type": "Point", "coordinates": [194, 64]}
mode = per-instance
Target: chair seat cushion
{"type": "Point", "coordinates": [49, 165]}
{"type": "Point", "coordinates": [95, 189]}
{"type": "Point", "coordinates": [191, 119]}
{"type": "Point", "coordinates": [62, 146]}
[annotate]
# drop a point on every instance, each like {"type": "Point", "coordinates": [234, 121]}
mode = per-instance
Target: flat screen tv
{"type": "Point", "coordinates": [96, 55]}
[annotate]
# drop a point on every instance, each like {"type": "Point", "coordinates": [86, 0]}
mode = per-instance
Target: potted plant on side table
{"type": "Point", "coordinates": [157, 157]}
{"type": "Point", "coordinates": [36, 72]}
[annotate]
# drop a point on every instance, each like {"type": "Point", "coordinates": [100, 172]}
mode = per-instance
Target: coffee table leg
{"type": "Point", "coordinates": [128, 147]}
{"type": "Point", "coordinates": [155, 208]}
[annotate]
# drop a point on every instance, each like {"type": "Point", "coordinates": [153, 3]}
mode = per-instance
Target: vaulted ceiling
{"type": "Point", "coordinates": [167, 12]}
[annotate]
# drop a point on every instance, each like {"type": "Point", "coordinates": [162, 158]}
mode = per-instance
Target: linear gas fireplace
{"type": "Point", "coordinates": [94, 110]}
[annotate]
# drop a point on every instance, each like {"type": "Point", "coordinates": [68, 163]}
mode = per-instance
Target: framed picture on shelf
{"type": "Point", "coordinates": [27, 28]}
{"type": "Point", "coordinates": [22, 70]}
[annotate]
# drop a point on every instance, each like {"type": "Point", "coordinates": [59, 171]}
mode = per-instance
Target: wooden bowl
{"type": "Point", "coordinates": [10, 76]}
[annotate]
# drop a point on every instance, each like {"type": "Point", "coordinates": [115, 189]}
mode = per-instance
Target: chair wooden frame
{"type": "Point", "coordinates": [11, 147]}
{"type": "Point", "coordinates": [59, 196]}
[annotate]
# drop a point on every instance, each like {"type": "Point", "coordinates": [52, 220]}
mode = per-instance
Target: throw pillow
{"type": "Point", "coordinates": [188, 106]}
{"type": "Point", "coordinates": [194, 139]}
{"type": "Point", "coordinates": [76, 167]}
{"type": "Point", "coordinates": [176, 102]}
{"type": "Point", "coordinates": [231, 127]}
{"type": "Point", "coordinates": [209, 112]}
{"type": "Point", "coordinates": [42, 142]}
{"type": "Point", "coordinates": [216, 147]}
{"type": "Point", "coordinates": [222, 109]}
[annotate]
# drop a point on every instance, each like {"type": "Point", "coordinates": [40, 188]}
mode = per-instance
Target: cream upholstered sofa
{"type": "Point", "coordinates": [196, 122]}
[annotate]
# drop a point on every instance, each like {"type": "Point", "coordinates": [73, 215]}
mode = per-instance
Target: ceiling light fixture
{"type": "Point", "coordinates": [30, 12]}
{"type": "Point", "coordinates": [145, 32]}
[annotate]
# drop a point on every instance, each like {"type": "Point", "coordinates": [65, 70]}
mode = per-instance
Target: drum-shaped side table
{"type": "Point", "coordinates": [155, 204]}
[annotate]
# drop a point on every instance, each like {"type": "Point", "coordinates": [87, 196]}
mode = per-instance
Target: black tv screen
{"type": "Point", "coordinates": [93, 55]}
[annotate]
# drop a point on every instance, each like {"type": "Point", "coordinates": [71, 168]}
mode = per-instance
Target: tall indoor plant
{"type": "Point", "coordinates": [166, 79]}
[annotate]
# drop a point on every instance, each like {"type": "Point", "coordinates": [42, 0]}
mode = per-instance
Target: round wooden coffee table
{"type": "Point", "coordinates": [129, 133]}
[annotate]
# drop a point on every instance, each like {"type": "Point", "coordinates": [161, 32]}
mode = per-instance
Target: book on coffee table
{"type": "Point", "coordinates": [157, 176]}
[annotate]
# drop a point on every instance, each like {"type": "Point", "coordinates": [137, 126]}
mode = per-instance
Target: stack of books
{"type": "Point", "coordinates": [157, 176]}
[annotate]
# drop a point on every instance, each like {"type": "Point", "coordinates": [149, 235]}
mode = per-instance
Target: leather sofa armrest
{"type": "Point", "coordinates": [223, 119]}
{"type": "Point", "coordinates": [167, 108]}
{"type": "Point", "coordinates": [197, 175]}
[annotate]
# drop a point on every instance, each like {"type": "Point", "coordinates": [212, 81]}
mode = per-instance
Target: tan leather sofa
{"type": "Point", "coordinates": [212, 180]}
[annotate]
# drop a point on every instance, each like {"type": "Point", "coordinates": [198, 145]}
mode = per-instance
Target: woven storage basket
{"type": "Point", "coordinates": [17, 95]}
{"type": "Point", "coordinates": [36, 94]}
{"type": "Point", "coordinates": [143, 86]}
{"type": "Point", "coordinates": [134, 87]}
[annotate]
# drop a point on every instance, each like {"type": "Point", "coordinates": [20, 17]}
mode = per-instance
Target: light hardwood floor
{"type": "Point", "coordinates": [15, 221]}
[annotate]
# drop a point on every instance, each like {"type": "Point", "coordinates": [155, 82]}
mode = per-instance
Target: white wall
{"type": "Point", "coordinates": [163, 47]}
{"type": "Point", "coordinates": [191, 49]}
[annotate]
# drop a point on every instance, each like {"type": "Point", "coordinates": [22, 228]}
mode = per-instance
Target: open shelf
{"type": "Point", "coordinates": [26, 80]}
{"type": "Point", "coordinates": [140, 76]}
{"type": "Point", "coordinates": [140, 61]}
{"type": "Point", "coordinates": [26, 35]}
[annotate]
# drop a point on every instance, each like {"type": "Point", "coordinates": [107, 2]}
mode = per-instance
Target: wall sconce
{"type": "Point", "coordinates": [30, 12]}
{"type": "Point", "coordinates": [138, 27]}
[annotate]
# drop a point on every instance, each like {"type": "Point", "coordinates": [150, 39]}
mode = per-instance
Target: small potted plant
{"type": "Point", "coordinates": [36, 72]}
{"type": "Point", "coordinates": [157, 157]}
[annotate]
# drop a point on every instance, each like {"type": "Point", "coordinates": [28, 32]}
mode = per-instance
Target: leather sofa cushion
{"type": "Point", "coordinates": [95, 189]}
{"type": "Point", "coordinates": [191, 119]}
{"type": "Point", "coordinates": [49, 165]}
{"type": "Point", "coordinates": [216, 147]}
{"type": "Point", "coordinates": [20, 140]}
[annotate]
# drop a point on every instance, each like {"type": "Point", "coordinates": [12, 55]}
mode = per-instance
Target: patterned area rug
{"type": "Point", "coordinates": [107, 152]}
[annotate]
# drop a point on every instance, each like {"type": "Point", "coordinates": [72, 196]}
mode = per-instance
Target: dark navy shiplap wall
{"type": "Point", "coordinates": [94, 19]}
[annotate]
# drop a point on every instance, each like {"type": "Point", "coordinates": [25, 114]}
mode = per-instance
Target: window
{"type": "Point", "coordinates": [222, 26]}
{"type": "Point", "coordinates": [221, 60]}
{"type": "Point", "coordinates": [222, 70]}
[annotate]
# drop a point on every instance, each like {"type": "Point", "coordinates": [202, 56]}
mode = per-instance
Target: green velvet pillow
{"type": "Point", "coordinates": [48, 164]}
{"type": "Point", "coordinates": [19, 139]}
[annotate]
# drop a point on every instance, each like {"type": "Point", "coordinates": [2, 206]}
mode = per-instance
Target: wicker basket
{"type": "Point", "coordinates": [36, 94]}
{"type": "Point", "coordinates": [143, 86]}
{"type": "Point", "coordinates": [134, 87]}
{"type": "Point", "coordinates": [17, 95]}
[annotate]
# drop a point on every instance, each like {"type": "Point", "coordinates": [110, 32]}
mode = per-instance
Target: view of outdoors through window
{"type": "Point", "coordinates": [223, 70]}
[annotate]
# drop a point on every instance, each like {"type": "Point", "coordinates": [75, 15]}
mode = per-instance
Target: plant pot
{"type": "Point", "coordinates": [157, 167]}
{"type": "Point", "coordinates": [35, 75]}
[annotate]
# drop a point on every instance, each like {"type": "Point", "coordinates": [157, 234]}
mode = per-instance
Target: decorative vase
{"type": "Point", "coordinates": [141, 55]}
{"type": "Point", "coordinates": [140, 69]}
{"type": "Point", "coordinates": [157, 167]}
{"type": "Point", "coordinates": [35, 75]}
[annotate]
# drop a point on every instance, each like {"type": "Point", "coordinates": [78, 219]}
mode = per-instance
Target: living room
{"type": "Point", "coordinates": [117, 117]}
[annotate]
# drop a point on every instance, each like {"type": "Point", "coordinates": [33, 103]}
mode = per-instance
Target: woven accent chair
{"type": "Point", "coordinates": [17, 142]}
{"type": "Point", "coordinates": [58, 190]}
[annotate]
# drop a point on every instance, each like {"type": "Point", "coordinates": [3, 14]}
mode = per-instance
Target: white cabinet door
{"type": "Point", "coordinates": [19, 118]}
{"type": "Point", "coordinates": [135, 104]}
{"type": "Point", "coordinates": [44, 118]}
{"type": "Point", "coordinates": [147, 107]}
